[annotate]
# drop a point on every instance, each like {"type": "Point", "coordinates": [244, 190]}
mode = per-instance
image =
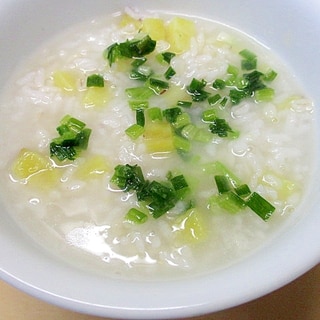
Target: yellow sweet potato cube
{"type": "Point", "coordinates": [158, 137]}
{"type": "Point", "coordinates": [127, 20]}
{"type": "Point", "coordinates": [155, 28]}
{"type": "Point", "coordinates": [34, 169]}
{"type": "Point", "coordinates": [179, 32]}
{"type": "Point", "coordinates": [65, 80]}
{"type": "Point", "coordinates": [191, 227]}
{"type": "Point", "coordinates": [93, 167]}
{"type": "Point", "coordinates": [96, 97]}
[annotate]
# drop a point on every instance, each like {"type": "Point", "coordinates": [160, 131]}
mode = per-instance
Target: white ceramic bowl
{"type": "Point", "coordinates": [288, 27]}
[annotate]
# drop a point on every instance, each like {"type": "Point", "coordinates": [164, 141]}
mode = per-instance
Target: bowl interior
{"type": "Point", "coordinates": [289, 28]}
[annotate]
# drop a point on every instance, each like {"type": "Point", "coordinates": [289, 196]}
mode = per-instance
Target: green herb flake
{"type": "Point", "coordinates": [95, 80]}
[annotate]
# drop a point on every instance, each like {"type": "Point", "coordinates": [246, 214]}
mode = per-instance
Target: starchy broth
{"type": "Point", "coordinates": [73, 209]}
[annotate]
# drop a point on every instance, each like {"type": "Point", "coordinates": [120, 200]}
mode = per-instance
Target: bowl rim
{"type": "Point", "coordinates": [277, 264]}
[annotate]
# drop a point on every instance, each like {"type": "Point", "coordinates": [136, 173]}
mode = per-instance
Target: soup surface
{"type": "Point", "coordinates": [147, 145]}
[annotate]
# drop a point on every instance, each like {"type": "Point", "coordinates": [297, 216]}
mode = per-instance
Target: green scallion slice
{"type": "Point", "coordinates": [219, 84]}
{"type": "Point", "coordinates": [134, 131]}
{"type": "Point", "coordinates": [243, 191]}
{"type": "Point", "coordinates": [138, 104]}
{"type": "Point", "coordinates": [166, 56]}
{"type": "Point", "coordinates": [135, 48]}
{"type": "Point", "coordinates": [260, 206]}
{"type": "Point", "coordinates": [181, 143]}
{"type": "Point", "coordinates": [169, 73]}
{"type": "Point", "coordinates": [209, 115]}
{"type": "Point", "coordinates": [184, 104]}
{"type": "Point", "coordinates": [220, 127]}
{"type": "Point", "coordinates": [154, 113]}
{"type": "Point", "coordinates": [171, 114]}
{"type": "Point", "coordinates": [229, 201]}
{"type": "Point", "coordinates": [128, 177]}
{"type": "Point", "coordinates": [247, 54]}
{"type": "Point", "coordinates": [196, 90]}
{"type": "Point", "coordinates": [140, 118]}
{"type": "Point", "coordinates": [223, 183]}
{"type": "Point", "coordinates": [213, 100]}
{"type": "Point", "coordinates": [73, 137]}
{"type": "Point", "coordinates": [264, 95]}
{"type": "Point", "coordinates": [138, 61]}
{"type": "Point", "coordinates": [139, 93]}
{"type": "Point", "coordinates": [237, 95]}
{"type": "Point", "coordinates": [136, 216]}
{"type": "Point", "coordinates": [179, 182]}
{"type": "Point", "coordinates": [182, 120]}
{"type": "Point", "coordinates": [270, 75]}
{"type": "Point", "coordinates": [157, 86]}
{"type": "Point", "coordinates": [95, 80]}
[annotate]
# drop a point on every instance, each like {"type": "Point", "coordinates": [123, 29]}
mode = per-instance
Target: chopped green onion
{"type": "Point", "coordinates": [220, 127]}
{"type": "Point", "coordinates": [162, 197]}
{"type": "Point", "coordinates": [82, 138]}
{"type": "Point", "coordinates": [138, 104]}
{"type": "Point", "coordinates": [228, 201]}
{"type": "Point", "coordinates": [134, 131]}
{"type": "Point", "coordinates": [112, 53]}
{"type": "Point", "coordinates": [128, 177]}
{"type": "Point", "coordinates": [219, 84]}
{"type": "Point", "coordinates": [62, 152]}
{"type": "Point", "coordinates": [139, 93]}
{"type": "Point", "coordinates": [135, 48]}
{"type": "Point", "coordinates": [232, 70]}
{"type": "Point", "coordinates": [182, 120]}
{"type": "Point", "coordinates": [184, 104]}
{"type": "Point", "coordinates": [253, 81]}
{"type": "Point", "coordinates": [95, 80]}
{"type": "Point", "coordinates": [218, 168]}
{"type": "Point", "coordinates": [159, 208]}
{"type": "Point", "coordinates": [264, 95]}
{"type": "Point", "coordinates": [224, 101]}
{"type": "Point", "coordinates": [223, 183]}
{"type": "Point", "coordinates": [154, 113]}
{"type": "Point", "coordinates": [135, 216]}
{"type": "Point", "coordinates": [189, 131]}
{"type": "Point", "coordinates": [196, 90]}
{"type": "Point", "coordinates": [158, 190]}
{"type": "Point", "coordinates": [137, 62]}
{"type": "Point", "coordinates": [166, 56]}
{"type": "Point", "coordinates": [70, 124]}
{"type": "Point", "coordinates": [141, 72]}
{"type": "Point", "coordinates": [157, 86]}
{"type": "Point", "coordinates": [73, 137]}
{"type": "Point", "coordinates": [180, 186]}
{"type": "Point", "coordinates": [169, 73]}
{"type": "Point", "coordinates": [179, 182]}
{"type": "Point", "coordinates": [248, 64]}
{"type": "Point", "coordinates": [270, 75]}
{"type": "Point", "coordinates": [260, 206]}
{"type": "Point", "coordinates": [237, 95]}
{"type": "Point", "coordinates": [214, 99]}
{"type": "Point", "coordinates": [209, 115]}
{"type": "Point", "coordinates": [250, 60]}
{"type": "Point", "coordinates": [181, 143]}
{"type": "Point", "coordinates": [202, 135]}
{"type": "Point", "coordinates": [233, 195]}
{"type": "Point", "coordinates": [158, 197]}
{"type": "Point", "coordinates": [247, 54]}
{"type": "Point", "coordinates": [140, 118]}
{"type": "Point", "coordinates": [243, 191]}
{"type": "Point", "coordinates": [171, 114]}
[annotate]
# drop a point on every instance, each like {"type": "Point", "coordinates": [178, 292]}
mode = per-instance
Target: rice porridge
{"type": "Point", "coordinates": [145, 145]}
